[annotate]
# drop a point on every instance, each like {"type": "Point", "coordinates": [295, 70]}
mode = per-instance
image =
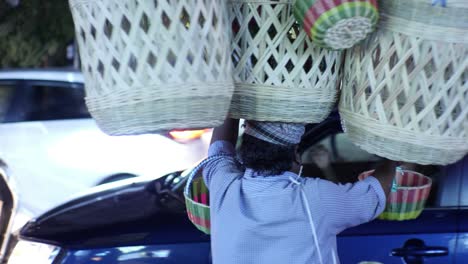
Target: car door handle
{"type": "Point", "coordinates": [420, 252]}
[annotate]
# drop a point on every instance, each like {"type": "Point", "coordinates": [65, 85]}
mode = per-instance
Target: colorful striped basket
{"type": "Point", "coordinates": [198, 205]}
{"type": "Point", "coordinates": [408, 201]}
{"type": "Point", "coordinates": [337, 24]}
{"type": "Point", "coordinates": [197, 197]}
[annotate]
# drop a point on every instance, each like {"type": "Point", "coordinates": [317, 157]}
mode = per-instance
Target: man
{"type": "Point", "coordinates": [263, 212]}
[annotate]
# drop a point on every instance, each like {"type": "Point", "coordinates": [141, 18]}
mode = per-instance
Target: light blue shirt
{"type": "Point", "coordinates": [257, 219]}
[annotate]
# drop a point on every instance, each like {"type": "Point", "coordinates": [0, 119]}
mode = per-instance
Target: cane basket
{"type": "Point", "coordinates": [410, 197]}
{"type": "Point", "coordinates": [279, 74]}
{"type": "Point", "coordinates": [152, 66]}
{"type": "Point", "coordinates": [405, 89]}
{"type": "Point", "coordinates": [337, 24]}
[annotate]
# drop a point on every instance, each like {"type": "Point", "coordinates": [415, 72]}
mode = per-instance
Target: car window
{"type": "Point", "coordinates": [337, 159]}
{"type": "Point", "coordinates": [6, 92]}
{"type": "Point", "coordinates": [40, 101]}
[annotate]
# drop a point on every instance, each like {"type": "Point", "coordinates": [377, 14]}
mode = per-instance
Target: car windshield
{"type": "Point", "coordinates": [40, 101]}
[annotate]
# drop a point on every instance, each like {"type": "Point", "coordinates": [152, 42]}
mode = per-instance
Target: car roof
{"type": "Point", "coordinates": [46, 74]}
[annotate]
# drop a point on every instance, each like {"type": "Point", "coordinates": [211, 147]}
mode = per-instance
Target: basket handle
{"type": "Point", "coordinates": [394, 182]}
{"type": "Point", "coordinates": [197, 168]}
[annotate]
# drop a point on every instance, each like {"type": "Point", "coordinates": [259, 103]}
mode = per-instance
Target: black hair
{"type": "Point", "coordinates": [265, 157]}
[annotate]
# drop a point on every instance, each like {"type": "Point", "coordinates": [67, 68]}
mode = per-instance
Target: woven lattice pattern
{"type": "Point", "coordinates": [405, 97]}
{"type": "Point", "coordinates": [279, 74]}
{"type": "Point", "coordinates": [154, 65]}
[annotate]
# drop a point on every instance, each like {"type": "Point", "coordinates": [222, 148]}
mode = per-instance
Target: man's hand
{"type": "Point", "coordinates": [320, 156]}
{"type": "Point", "coordinates": [385, 173]}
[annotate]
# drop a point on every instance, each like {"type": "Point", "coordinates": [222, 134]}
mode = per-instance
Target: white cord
{"type": "Point", "coordinates": [309, 215]}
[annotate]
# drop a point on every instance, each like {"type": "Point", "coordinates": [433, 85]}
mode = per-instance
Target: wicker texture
{"type": "Point", "coordinates": [279, 74]}
{"type": "Point", "coordinates": [152, 66]}
{"type": "Point", "coordinates": [405, 89]}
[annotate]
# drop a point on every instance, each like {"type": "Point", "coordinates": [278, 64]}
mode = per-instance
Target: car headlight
{"type": "Point", "coordinates": [31, 252]}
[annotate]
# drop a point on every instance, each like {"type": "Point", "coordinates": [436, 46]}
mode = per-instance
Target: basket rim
{"type": "Point", "coordinates": [259, 2]}
{"type": "Point", "coordinates": [357, 119]}
{"type": "Point", "coordinates": [427, 185]}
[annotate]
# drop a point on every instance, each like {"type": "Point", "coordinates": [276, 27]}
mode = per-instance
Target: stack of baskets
{"type": "Point", "coordinates": [152, 66]}
{"type": "Point", "coordinates": [280, 75]}
{"type": "Point", "coordinates": [405, 89]}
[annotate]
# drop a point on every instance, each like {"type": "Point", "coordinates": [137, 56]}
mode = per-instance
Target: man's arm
{"type": "Point", "coordinates": [223, 142]}
{"type": "Point", "coordinates": [385, 173]}
{"type": "Point", "coordinates": [228, 131]}
{"type": "Point", "coordinates": [347, 205]}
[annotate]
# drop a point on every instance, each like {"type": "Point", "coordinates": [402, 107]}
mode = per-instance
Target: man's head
{"type": "Point", "coordinates": [270, 147]}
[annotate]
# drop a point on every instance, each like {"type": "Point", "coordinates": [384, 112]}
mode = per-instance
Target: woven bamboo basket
{"type": "Point", "coordinates": [405, 89]}
{"type": "Point", "coordinates": [152, 66]}
{"type": "Point", "coordinates": [279, 74]}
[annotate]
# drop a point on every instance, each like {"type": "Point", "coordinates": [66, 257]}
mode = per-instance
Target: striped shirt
{"type": "Point", "coordinates": [262, 219]}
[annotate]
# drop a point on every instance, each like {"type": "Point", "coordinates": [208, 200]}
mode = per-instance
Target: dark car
{"type": "Point", "coordinates": [144, 221]}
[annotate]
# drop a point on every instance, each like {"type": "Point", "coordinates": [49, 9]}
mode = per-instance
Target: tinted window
{"type": "Point", "coordinates": [58, 102]}
{"type": "Point", "coordinates": [6, 92]}
{"type": "Point", "coordinates": [41, 101]}
{"type": "Point", "coordinates": [337, 159]}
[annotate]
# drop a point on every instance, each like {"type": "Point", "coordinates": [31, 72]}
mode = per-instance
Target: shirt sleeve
{"type": "Point", "coordinates": [221, 166]}
{"type": "Point", "coordinates": [350, 205]}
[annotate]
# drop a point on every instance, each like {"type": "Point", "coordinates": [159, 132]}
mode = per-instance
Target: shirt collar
{"type": "Point", "coordinates": [251, 174]}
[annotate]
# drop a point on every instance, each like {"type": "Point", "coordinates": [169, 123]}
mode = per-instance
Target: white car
{"type": "Point", "coordinates": [53, 149]}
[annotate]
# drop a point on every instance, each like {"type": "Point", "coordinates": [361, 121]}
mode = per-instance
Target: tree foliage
{"type": "Point", "coordinates": [34, 33]}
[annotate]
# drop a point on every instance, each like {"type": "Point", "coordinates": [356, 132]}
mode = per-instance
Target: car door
{"type": "Point", "coordinates": [431, 238]}
{"type": "Point", "coordinates": [462, 245]}
{"type": "Point", "coordinates": [7, 197]}
{"type": "Point", "coordinates": [8, 205]}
